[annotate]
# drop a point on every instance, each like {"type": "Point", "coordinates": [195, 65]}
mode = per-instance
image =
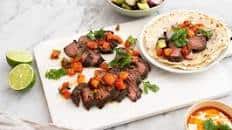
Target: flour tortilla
{"type": "Point", "coordinates": [215, 46]}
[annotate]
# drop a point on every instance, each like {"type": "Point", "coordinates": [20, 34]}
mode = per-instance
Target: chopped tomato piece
{"type": "Point", "coordinates": [119, 84]}
{"type": "Point", "coordinates": [159, 52]}
{"type": "Point", "coordinates": [104, 66]}
{"type": "Point", "coordinates": [64, 90]}
{"type": "Point", "coordinates": [109, 78]}
{"type": "Point", "coordinates": [77, 67]}
{"type": "Point", "coordinates": [92, 44]}
{"type": "Point", "coordinates": [112, 37]}
{"type": "Point", "coordinates": [55, 54]}
{"type": "Point", "coordinates": [185, 51]}
{"type": "Point", "coordinates": [71, 72]}
{"type": "Point", "coordinates": [127, 44]}
{"type": "Point", "coordinates": [66, 94]}
{"type": "Point", "coordinates": [94, 82]}
{"type": "Point", "coordinates": [81, 78]}
{"type": "Point", "coordinates": [123, 75]}
{"type": "Point", "coordinates": [74, 60]}
{"type": "Point", "coordinates": [136, 53]}
{"type": "Point", "coordinates": [168, 51]}
{"type": "Point", "coordinates": [106, 45]}
{"type": "Point", "coordinates": [191, 33]}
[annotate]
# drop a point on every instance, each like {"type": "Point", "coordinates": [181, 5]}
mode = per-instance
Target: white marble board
{"type": "Point", "coordinates": [176, 90]}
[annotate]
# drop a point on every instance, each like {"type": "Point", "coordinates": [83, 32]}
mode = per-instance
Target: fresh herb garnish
{"type": "Point", "coordinates": [121, 60]}
{"type": "Point", "coordinates": [98, 34]}
{"type": "Point", "coordinates": [55, 73]}
{"type": "Point", "coordinates": [207, 34]}
{"type": "Point", "coordinates": [148, 86]}
{"type": "Point", "coordinates": [209, 125]}
{"type": "Point", "coordinates": [179, 37]}
{"type": "Point", "coordinates": [131, 40]}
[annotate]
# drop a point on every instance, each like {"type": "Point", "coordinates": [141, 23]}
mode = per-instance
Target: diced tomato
{"type": "Point", "coordinates": [185, 51]}
{"type": "Point", "coordinates": [109, 78]}
{"type": "Point", "coordinates": [75, 60]}
{"type": "Point", "coordinates": [104, 66]}
{"type": "Point", "coordinates": [168, 51]}
{"type": "Point", "coordinates": [106, 45]}
{"type": "Point", "coordinates": [119, 84]}
{"type": "Point", "coordinates": [127, 44]}
{"type": "Point", "coordinates": [159, 52]}
{"type": "Point", "coordinates": [94, 82]}
{"type": "Point", "coordinates": [191, 33]}
{"type": "Point", "coordinates": [92, 44]}
{"type": "Point", "coordinates": [71, 72]}
{"type": "Point", "coordinates": [112, 37]}
{"type": "Point", "coordinates": [185, 24]}
{"type": "Point", "coordinates": [136, 53]}
{"type": "Point", "coordinates": [66, 94]}
{"type": "Point", "coordinates": [81, 78]}
{"type": "Point", "coordinates": [55, 54]}
{"type": "Point", "coordinates": [123, 75]}
{"type": "Point", "coordinates": [77, 67]}
{"type": "Point", "coordinates": [64, 90]}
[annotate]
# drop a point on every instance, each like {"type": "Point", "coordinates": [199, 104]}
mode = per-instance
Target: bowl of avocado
{"type": "Point", "coordinates": [136, 8]}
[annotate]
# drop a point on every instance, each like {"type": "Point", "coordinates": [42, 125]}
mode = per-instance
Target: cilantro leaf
{"type": "Point", "coordinates": [55, 73]}
{"type": "Point", "coordinates": [122, 59]}
{"type": "Point", "coordinates": [207, 34]}
{"type": "Point", "coordinates": [98, 34]}
{"type": "Point", "coordinates": [148, 86]}
{"type": "Point", "coordinates": [209, 125]}
{"type": "Point", "coordinates": [179, 37]}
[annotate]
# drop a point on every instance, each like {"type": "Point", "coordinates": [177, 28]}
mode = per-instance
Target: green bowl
{"type": "Point", "coordinates": [135, 13]}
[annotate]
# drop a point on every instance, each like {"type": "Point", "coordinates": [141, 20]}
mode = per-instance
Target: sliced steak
{"type": "Point", "coordinates": [91, 58]}
{"type": "Point", "coordinates": [197, 43]}
{"type": "Point", "coordinates": [87, 96]}
{"type": "Point", "coordinates": [134, 92]}
{"type": "Point", "coordinates": [71, 49]}
{"type": "Point", "coordinates": [102, 96]}
{"type": "Point", "coordinates": [176, 55]}
{"type": "Point", "coordinates": [84, 39]}
{"type": "Point", "coordinates": [142, 67]}
{"type": "Point", "coordinates": [75, 96]}
{"type": "Point", "coordinates": [66, 63]}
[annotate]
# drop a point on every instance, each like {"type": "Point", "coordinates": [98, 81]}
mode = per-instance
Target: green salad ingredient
{"type": "Point", "coordinates": [122, 59]}
{"type": "Point", "coordinates": [179, 37]}
{"type": "Point", "coordinates": [98, 34]}
{"type": "Point", "coordinates": [55, 73]}
{"type": "Point", "coordinates": [209, 125]}
{"type": "Point", "coordinates": [148, 86]}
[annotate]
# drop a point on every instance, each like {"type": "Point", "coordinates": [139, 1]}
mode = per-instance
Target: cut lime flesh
{"type": "Point", "coordinates": [21, 77]}
{"type": "Point", "coordinates": [16, 57]}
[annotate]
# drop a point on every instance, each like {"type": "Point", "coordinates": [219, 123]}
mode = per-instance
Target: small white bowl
{"type": "Point", "coordinates": [135, 13]}
{"type": "Point", "coordinates": [207, 104]}
{"type": "Point", "coordinates": [168, 68]}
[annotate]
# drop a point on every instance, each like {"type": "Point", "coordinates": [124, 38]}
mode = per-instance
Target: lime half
{"type": "Point", "coordinates": [21, 77]}
{"type": "Point", "coordinates": [15, 57]}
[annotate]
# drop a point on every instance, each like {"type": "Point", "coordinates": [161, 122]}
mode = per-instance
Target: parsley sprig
{"type": "Point", "coordinates": [179, 37]}
{"type": "Point", "coordinates": [121, 60]}
{"type": "Point", "coordinates": [209, 125]}
{"type": "Point", "coordinates": [148, 86]}
{"type": "Point", "coordinates": [55, 73]}
{"type": "Point", "coordinates": [98, 34]}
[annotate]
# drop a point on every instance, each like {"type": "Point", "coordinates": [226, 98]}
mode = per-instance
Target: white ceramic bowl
{"type": "Point", "coordinates": [135, 13]}
{"type": "Point", "coordinates": [207, 104]}
{"type": "Point", "coordinates": [168, 68]}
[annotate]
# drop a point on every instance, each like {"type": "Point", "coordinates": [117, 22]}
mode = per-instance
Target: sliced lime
{"type": "Point", "coordinates": [15, 57]}
{"type": "Point", "coordinates": [21, 77]}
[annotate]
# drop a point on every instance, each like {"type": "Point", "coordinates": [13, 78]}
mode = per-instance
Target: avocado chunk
{"type": "Point", "coordinates": [161, 43]}
{"type": "Point", "coordinates": [118, 2]}
{"type": "Point", "coordinates": [131, 2]}
{"type": "Point", "coordinates": [125, 6]}
{"type": "Point", "coordinates": [143, 6]}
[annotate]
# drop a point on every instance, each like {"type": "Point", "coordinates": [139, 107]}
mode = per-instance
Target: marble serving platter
{"type": "Point", "coordinates": [176, 90]}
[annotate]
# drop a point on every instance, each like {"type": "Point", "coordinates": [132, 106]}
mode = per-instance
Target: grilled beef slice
{"type": "Point", "coordinates": [142, 67]}
{"type": "Point", "coordinates": [102, 96]}
{"type": "Point", "coordinates": [197, 43]}
{"type": "Point", "coordinates": [75, 96]}
{"type": "Point", "coordinates": [87, 96]}
{"type": "Point", "coordinates": [71, 49]}
{"type": "Point", "coordinates": [91, 58]}
{"type": "Point", "coordinates": [176, 55]}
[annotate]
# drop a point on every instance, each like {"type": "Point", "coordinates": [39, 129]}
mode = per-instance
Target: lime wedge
{"type": "Point", "coordinates": [21, 77]}
{"type": "Point", "coordinates": [16, 57]}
